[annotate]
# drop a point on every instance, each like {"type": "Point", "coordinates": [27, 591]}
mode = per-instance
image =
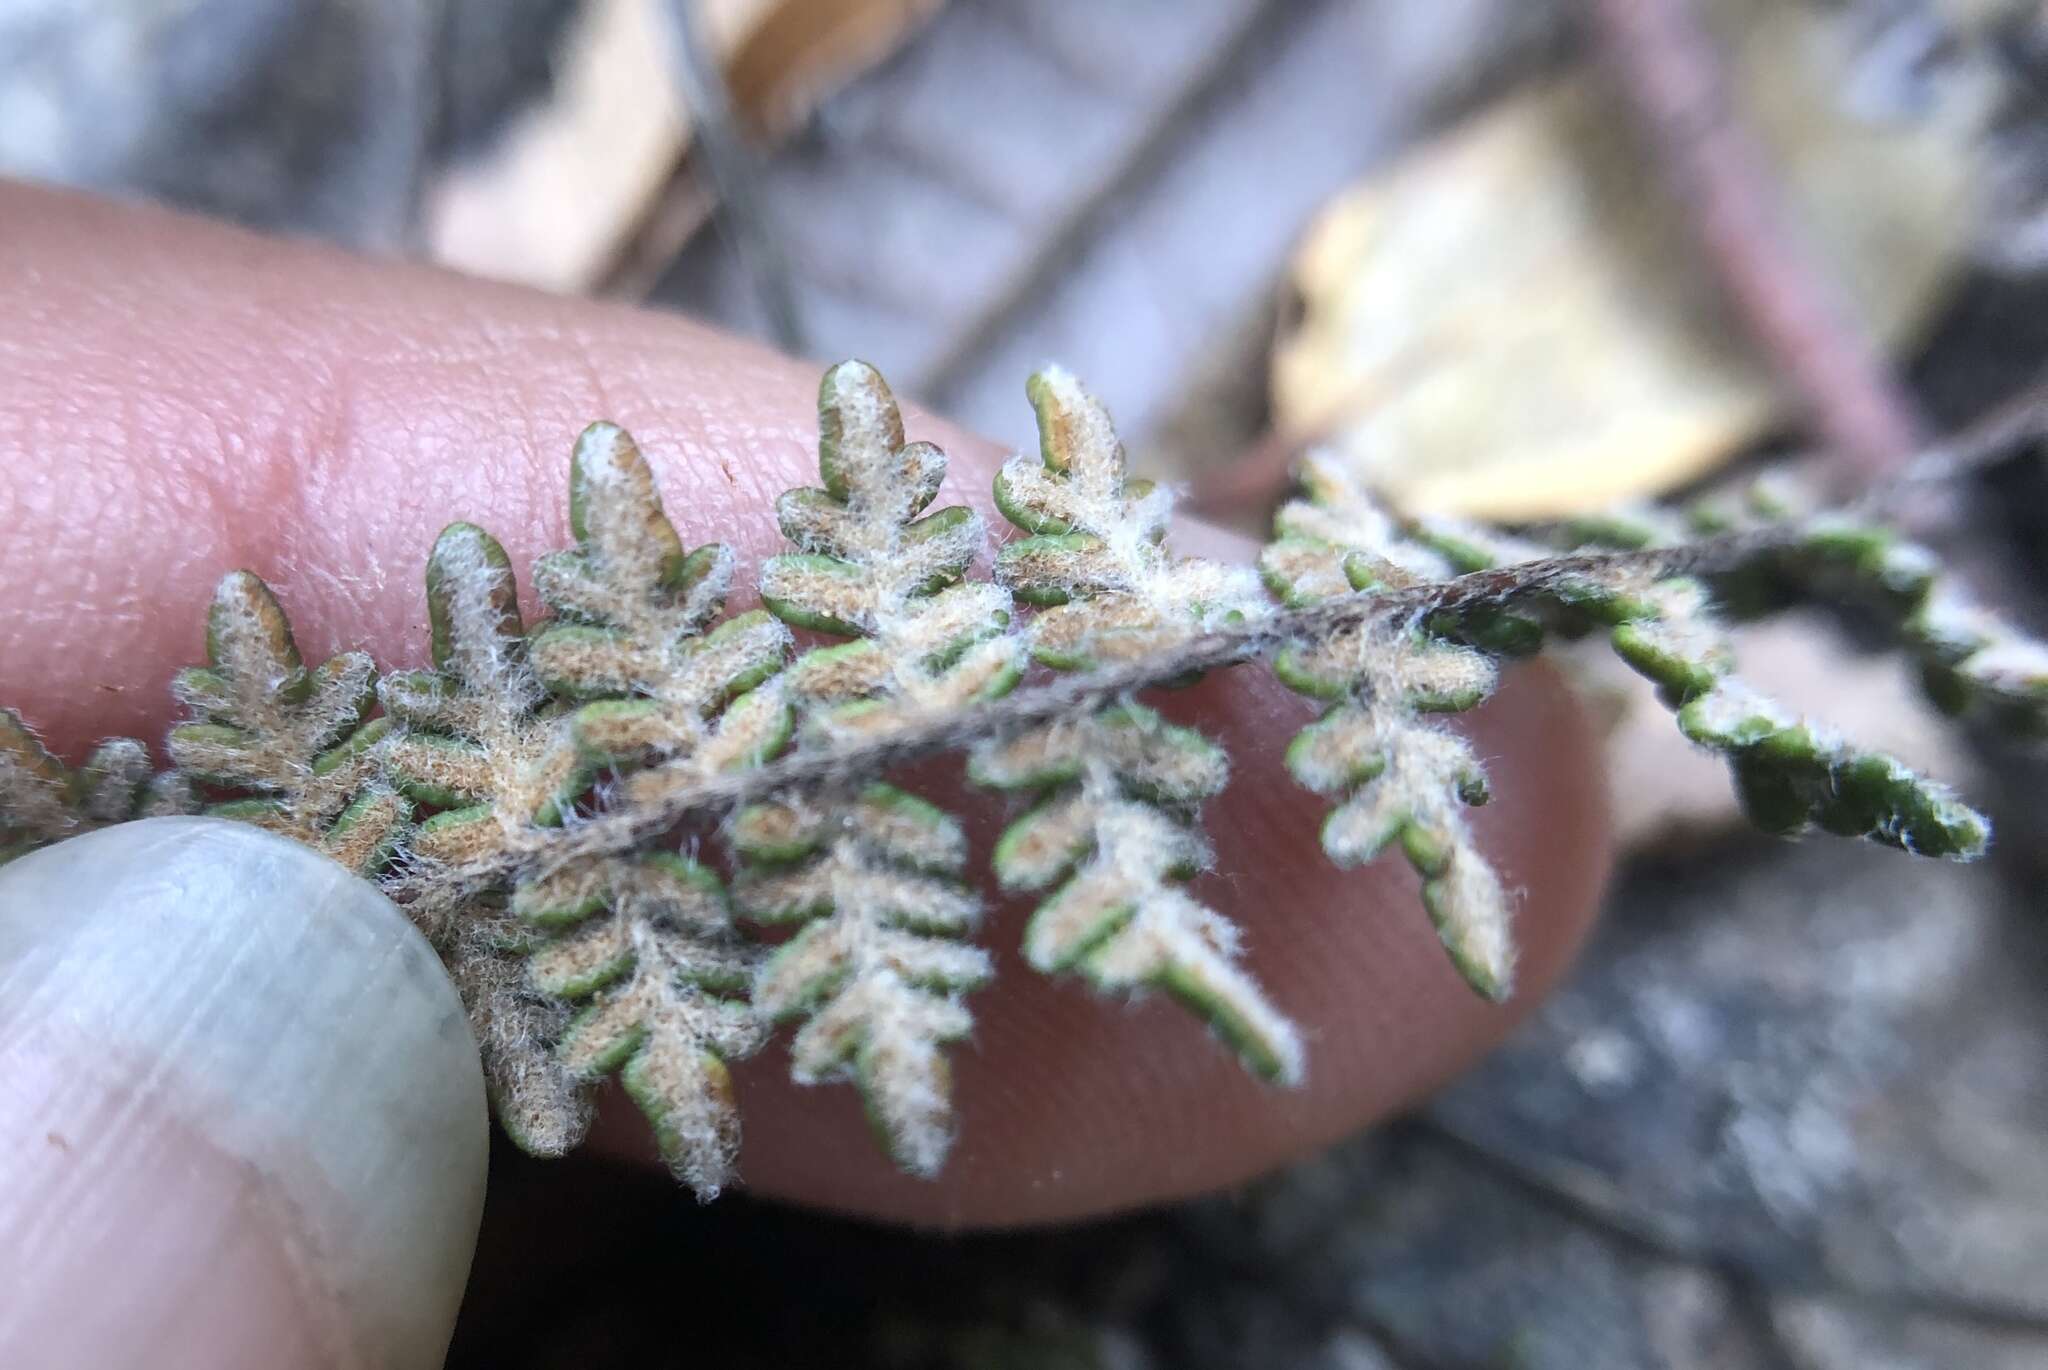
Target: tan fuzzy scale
{"type": "Point", "coordinates": [986, 670]}
{"type": "Point", "coordinates": [362, 835]}
{"type": "Point", "coordinates": [1047, 842]}
{"type": "Point", "coordinates": [459, 838]}
{"type": "Point", "coordinates": [882, 896]}
{"type": "Point", "coordinates": [1175, 765]}
{"type": "Point", "coordinates": [1348, 749]}
{"type": "Point", "coordinates": [1335, 510]}
{"type": "Point", "coordinates": [860, 670]}
{"type": "Point", "coordinates": [1107, 630]}
{"type": "Point", "coordinates": [847, 603]}
{"type": "Point", "coordinates": [1073, 566]}
{"type": "Point", "coordinates": [1301, 570]}
{"type": "Point", "coordinates": [431, 701]}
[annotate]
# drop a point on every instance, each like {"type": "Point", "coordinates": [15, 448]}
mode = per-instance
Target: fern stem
{"type": "Point", "coordinates": [539, 850]}
{"type": "Point", "coordinates": [2014, 424]}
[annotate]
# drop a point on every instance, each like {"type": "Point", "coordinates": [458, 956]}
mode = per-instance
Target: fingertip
{"type": "Point", "coordinates": [241, 1117]}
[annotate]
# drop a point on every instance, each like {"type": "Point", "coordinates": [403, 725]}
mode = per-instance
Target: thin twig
{"type": "Point", "coordinates": [1672, 72]}
{"type": "Point", "coordinates": [733, 171]}
{"type": "Point", "coordinates": [2015, 422]}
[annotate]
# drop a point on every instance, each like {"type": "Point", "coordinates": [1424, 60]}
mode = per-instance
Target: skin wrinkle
{"type": "Point", "coordinates": [394, 399]}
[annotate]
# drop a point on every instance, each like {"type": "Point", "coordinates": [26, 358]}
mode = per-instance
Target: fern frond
{"type": "Point", "coordinates": [645, 940]}
{"type": "Point", "coordinates": [42, 800]}
{"type": "Point", "coordinates": [558, 765]}
{"type": "Point", "coordinates": [1114, 829]}
{"type": "Point", "coordinates": [293, 742]}
{"type": "Point", "coordinates": [479, 741]}
{"type": "Point", "coordinates": [1115, 825]}
{"type": "Point", "coordinates": [875, 875]}
{"type": "Point", "coordinates": [654, 954]}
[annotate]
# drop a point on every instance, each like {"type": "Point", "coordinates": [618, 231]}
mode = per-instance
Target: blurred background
{"type": "Point", "coordinates": [1792, 1109]}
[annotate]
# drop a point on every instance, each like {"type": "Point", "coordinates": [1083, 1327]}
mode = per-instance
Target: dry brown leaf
{"type": "Point", "coordinates": [1563, 345]}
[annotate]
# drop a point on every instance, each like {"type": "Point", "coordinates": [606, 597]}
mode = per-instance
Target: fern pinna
{"type": "Point", "coordinates": [645, 832]}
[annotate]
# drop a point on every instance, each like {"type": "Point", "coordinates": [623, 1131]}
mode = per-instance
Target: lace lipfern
{"type": "Point", "coordinates": [877, 972]}
{"type": "Point", "coordinates": [556, 768]}
{"type": "Point", "coordinates": [645, 940]}
{"type": "Point", "coordinates": [479, 740]}
{"type": "Point", "coordinates": [1115, 826]}
{"type": "Point", "coordinates": [293, 740]}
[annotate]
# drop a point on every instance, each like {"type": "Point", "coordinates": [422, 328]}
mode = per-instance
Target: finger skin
{"type": "Point", "coordinates": [242, 1123]}
{"type": "Point", "coordinates": [177, 399]}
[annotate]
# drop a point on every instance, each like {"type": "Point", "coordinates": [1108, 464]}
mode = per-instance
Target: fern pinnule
{"type": "Point", "coordinates": [118, 782]}
{"type": "Point", "coordinates": [1096, 554]}
{"type": "Point", "coordinates": [875, 874]}
{"type": "Point", "coordinates": [1118, 791]}
{"type": "Point", "coordinates": [292, 741]}
{"type": "Point", "coordinates": [543, 1105]}
{"type": "Point", "coordinates": [665, 976]}
{"type": "Point", "coordinates": [42, 800]}
{"type": "Point", "coordinates": [1113, 830]}
{"type": "Point", "coordinates": [645, 941]}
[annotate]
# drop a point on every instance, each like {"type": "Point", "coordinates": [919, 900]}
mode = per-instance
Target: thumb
{"type": "Point", "coordinates": [241, 1118]}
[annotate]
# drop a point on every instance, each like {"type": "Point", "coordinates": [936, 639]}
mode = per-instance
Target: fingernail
{"type": "Point", "coordinates": [241, 1117]}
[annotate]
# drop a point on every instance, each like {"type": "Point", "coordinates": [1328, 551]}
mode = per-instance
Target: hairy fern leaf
{"type": "Point", "coordinates": [874, 875]}
{"type": "Point", "coordinates": [42, 800]}
{"type": "Point", "coordinates": [480, 741]}
{"type": "Point", "coordinates": [1115, 825]}
{"type": "Point", "coordinates": [645, 940]}
{"type": "Point", "coordinates": [292, 741]}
